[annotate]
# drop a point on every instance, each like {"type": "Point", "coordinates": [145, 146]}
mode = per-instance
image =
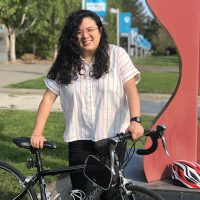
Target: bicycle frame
{"type": "Point", "coordinates": [39, 176]}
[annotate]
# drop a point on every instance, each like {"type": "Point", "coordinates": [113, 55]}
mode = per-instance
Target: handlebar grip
{"type": "Point", "coordinates": [154, 138]}
{"type": "Point", "coordinates": [125, 136]}
{"type": "Point", "coordinates": [155, 135]}
{"type": "Point", "coordinates": [150, 150]}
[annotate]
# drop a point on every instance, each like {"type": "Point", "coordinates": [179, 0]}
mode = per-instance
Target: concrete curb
{"type": "Point", "coordinates": [22, 91]}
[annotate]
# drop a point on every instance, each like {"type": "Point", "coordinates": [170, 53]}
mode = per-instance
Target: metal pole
{"type": "Point", "coordinates": [116, 11]}
{"type": "Point", "coordinates": [129, 44]}
{"type": "Point", "coordinates": [118, 37]}
{"type": "Point", "coordinates": [83, 4]}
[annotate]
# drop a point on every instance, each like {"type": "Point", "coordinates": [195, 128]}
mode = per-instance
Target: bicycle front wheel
{"type": "Point", "coordinates": [12, 182]}
{"type": "Point", "coordinates": [140, 193]}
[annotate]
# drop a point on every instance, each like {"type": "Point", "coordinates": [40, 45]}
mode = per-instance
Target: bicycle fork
{"type": "Point", "coordinates": [124, 182]}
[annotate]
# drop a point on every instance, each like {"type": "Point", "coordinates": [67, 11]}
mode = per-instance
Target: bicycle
{"type": "Point", "coordinates": [103, 173]}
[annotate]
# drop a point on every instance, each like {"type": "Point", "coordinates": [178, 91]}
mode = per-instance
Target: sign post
{"type": "Point", "coordinates": [125, 27]}
{"type": "Point", "coordinates": [116, 11]}
{"type": "Point", "coordinates": [83, 4]}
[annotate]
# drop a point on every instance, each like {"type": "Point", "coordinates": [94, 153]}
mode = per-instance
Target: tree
{"type": "Point", "coordinates": [45, 33]}
{"type": "Point", "coordinates": [18, 16]}
{"type": "Point", "coordinates": [163, 42]}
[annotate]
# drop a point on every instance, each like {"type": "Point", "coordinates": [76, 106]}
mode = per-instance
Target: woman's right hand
{"type": "Point", "coordinates": [37, 140]}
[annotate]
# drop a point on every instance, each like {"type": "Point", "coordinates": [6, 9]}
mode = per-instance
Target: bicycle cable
{"type": "Point", "coordinates": [130, 154]}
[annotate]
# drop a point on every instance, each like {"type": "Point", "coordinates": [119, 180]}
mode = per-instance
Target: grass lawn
{"type": "Point", "coordinates": [160, 61]}
{"type": "Point", "coordinates": [20, 123]}
{"type": "Point", "coordinates": [30, 84]}
{"type": "Point", "coordinates": [164, 83]}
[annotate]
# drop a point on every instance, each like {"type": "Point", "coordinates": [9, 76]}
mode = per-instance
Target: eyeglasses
{"type": "Point", "coordinates": [87, 30]}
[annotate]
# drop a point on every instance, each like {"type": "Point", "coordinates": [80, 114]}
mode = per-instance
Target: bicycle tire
{"type": "Point", "coordinates": [139, 192]}
{"type": "Point", "coordinates": [12, 183]}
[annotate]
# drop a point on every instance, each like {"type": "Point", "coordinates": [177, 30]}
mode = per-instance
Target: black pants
{"type": "Point", "coordinates": [78, 152]}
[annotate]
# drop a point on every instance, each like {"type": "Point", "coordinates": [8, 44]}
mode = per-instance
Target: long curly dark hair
{"type": "Point", "coordinates": [67, 65]}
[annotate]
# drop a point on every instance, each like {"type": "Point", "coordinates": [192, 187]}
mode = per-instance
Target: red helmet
{"type": "Point", "coordinates": [187, 173]}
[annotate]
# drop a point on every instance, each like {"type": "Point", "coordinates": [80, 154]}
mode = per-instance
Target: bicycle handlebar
{"type": "Point", "coordinates": [155, 135]}
{"type": "Point", "coordinates": [103, 146]}
{"type": "Point", "coordinates": [108, 145]}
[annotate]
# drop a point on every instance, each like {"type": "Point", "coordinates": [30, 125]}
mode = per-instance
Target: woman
{"type": "Point", "coordinates": [96, 83]}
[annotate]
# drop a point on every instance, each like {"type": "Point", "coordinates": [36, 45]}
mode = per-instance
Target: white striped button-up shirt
{"type": "Point", "coordinates": [95, 109]}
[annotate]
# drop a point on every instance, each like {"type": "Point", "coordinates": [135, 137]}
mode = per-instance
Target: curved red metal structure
{"type": "Point", "coordinates": [182, 20]}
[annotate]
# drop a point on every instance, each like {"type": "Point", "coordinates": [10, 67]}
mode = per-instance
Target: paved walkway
{"type": "Point", "coordinates": [14, 73]}
{"type": "Point", "coordinates": [28, 99]}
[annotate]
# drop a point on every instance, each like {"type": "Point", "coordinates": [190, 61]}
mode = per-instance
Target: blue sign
{"type": "Point", "coordinates": [143, 42]}
{"type": "Point", "coordinates": [146, 44]}
{"type": "Point", "coordinates": [134, 31]}
{"type": "Point", "coordinates": [139, 39]}
{"type": "Point", "coordinates": [97, 6]}
{"type": "Point", "coordinates": [125, 22]}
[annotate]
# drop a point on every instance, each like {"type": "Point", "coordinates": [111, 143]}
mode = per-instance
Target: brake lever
{"type": "Point", "coordinates": [160, 129]}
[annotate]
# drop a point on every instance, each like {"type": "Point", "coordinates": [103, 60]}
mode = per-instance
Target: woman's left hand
{"type": "Point", "coordinates": [136, 130]}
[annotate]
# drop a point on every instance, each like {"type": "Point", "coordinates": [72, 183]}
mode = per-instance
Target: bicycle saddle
{"type": "Point", "coordinates": [24, 142]}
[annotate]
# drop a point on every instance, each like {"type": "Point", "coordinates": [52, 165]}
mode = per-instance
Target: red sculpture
{"type": "Point", "coordinates": [182, 20]}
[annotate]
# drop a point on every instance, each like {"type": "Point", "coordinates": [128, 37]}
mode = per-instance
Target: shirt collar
{"type": "Point", "coordinates": [83, 60]}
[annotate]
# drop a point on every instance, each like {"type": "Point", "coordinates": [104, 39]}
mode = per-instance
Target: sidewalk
{"type": "Point", "coordinates": [14, 73]}
{"type": "Point", "coordinates": [23, 99]}
{"type": "Point", "coordinates": [29, 99]}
